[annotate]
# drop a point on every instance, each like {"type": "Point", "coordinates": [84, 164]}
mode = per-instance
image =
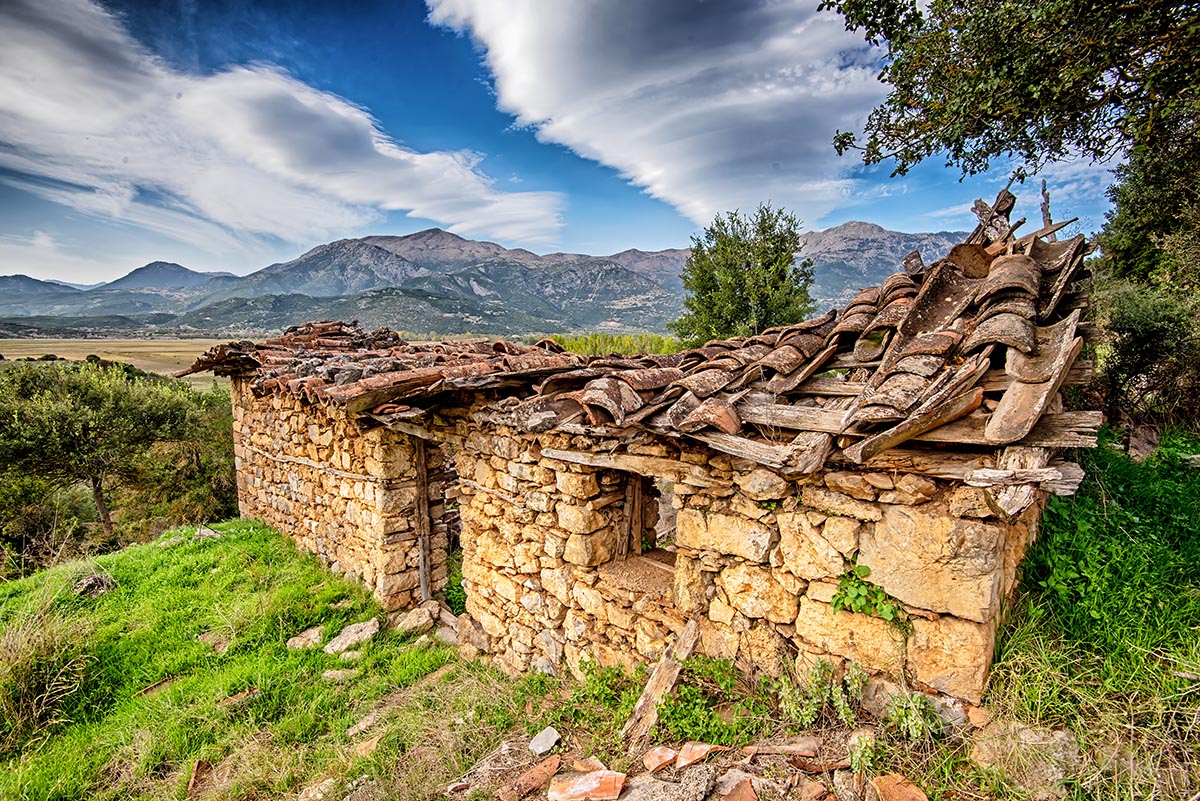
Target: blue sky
{"type": "Point", "coordinates": [229, 135]}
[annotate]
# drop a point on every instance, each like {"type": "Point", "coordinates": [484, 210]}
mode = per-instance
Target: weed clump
{"type": "Point", "coordinates": [44, 665]}
{"type": "Point", "coordinates": [715, 704]}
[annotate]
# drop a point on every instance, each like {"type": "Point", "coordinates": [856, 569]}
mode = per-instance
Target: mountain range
{"type": "Point", "coordinates": [430, 282]}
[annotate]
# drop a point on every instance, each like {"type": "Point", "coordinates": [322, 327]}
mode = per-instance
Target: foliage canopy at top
{"type": "Point", "coordinates": [1038, 80]}
{"type": "Point", "coordinates": [742, 277]}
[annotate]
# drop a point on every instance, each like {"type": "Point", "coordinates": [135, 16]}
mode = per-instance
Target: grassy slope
{"type": "Point", "coordinates": [254, 589]}
{"type": "Point", "coordinates": [1106, 638]}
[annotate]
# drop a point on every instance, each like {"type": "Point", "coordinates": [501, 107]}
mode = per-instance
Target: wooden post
{"type": "Point", "coordinates": [422, 518]}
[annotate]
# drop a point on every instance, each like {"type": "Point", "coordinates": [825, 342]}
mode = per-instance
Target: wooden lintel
{"type": "Point", "coordinates": [420, 432]}
{"type": "Point", "coordinates": [642, 465]}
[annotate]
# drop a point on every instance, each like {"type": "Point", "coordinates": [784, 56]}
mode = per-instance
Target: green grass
{"type": "Point", "coordinates": [627, 344]}
{"type": "Point", "coordinates": [252, 589]}
{"type": "Point", "coordinates": [1105, 640]}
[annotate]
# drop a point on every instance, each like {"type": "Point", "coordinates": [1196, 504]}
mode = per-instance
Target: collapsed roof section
{"type": "Point", "coordinates": [968, 351]}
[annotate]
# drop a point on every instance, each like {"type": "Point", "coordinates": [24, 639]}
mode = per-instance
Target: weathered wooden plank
{"type": "Point", "coordinates": [1011, 501]}
{"type": "Point", "coordinates": [423, 523]}
{"type": "Point", "coordinates": [662, 680]}
{"type": "Point", "coordinates": [1061, 478]}
{"type": "Point", "coordinates": [642, 465]}
{"type": "Point", "coordinates": [798, 418]}
{"type": "Point", "coordinates": [1064, 430]}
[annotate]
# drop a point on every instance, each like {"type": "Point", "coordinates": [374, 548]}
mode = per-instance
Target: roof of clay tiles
{"type": "Point", "coordinates": [971, 349]}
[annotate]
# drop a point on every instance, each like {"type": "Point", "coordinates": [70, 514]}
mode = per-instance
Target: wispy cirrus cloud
{"type": "Point", "coordinates": [708, 105]}
{"type": "Point", "coordinates": [91, 120]}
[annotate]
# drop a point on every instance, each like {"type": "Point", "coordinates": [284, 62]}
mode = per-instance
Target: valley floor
{"type": "Point", "coordinates": [159, 355]}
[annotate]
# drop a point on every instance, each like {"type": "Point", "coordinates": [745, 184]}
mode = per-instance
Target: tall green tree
{"type": "Point", "coordinates": [743, 277]}
{"type": "Point", "coordinates": [82, 422]}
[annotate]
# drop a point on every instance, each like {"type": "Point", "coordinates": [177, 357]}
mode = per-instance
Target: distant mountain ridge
{"type": "Point", "coordinates": [435, 282]}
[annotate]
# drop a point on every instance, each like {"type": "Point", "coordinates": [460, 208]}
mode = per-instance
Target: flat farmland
{"type": "Point", "coordinates": [155, 355]}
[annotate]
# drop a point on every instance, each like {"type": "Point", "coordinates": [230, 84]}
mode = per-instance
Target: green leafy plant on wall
{"type": "Point", "coordinates": [856, 594]}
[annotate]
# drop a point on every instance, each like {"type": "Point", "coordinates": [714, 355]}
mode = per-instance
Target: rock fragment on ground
{"type": "Point", "coordinates": [323, 791]}
{"type": "Point", "coordinates": [309, 638]}
{"type": "Point", "coordinates": [93, 585]}
{"type": "Point", "coordinates": [692, 752]}
{"type": "Point", "coordinates": [728, 781]}
{"type": "Point", "coordinates": [339, 676]}
{"type": "Point", "coordinates": [894, 787]}
{"type": "Point", "coordinates": [544, 740]}
{"type": "Point", "coordinates": [599, 785]}
{"type": "Point", "coordinates": [350, 656]}
{"type": "Point", "coordinates": [658, 758]}
{"type": "Point", "coordinates": [206, 533]}
{"type": "Point", "coordinates": [533, 779]}
{"type": "Point", "coordinates": [414, 621]}
{"type": "Point", "coordinates": [1037, 760]}
{"type": "Point", "coordinates": [352, 635]}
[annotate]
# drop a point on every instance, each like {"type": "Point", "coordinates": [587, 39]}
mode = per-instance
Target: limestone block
{"type": "Point", "coordinates": [531, 472]}
{"type": "Point", "coordinates": [539, 501]}
{"type": "Point", "coordinates": [870, 641]}
{"type": "Point", "coordinates": [720, 612]}
{"type": "Point", "coordinates": [722, 533]}
{"type": "Point", "coordinates": [689, 585]}
{"type": "Point", "coordinates": [853, 484]}
{"type": "Point", "coordinates": [836, 503]}
{"type": "Point", "coordinates": [620, 617]}
{"type": "Point", "coordinates": [763, 485]}
{"type": "Point", "coordinates": [577, 485]}
{"type": "Point", "coordinates": [930, 560]}
{"type": "Point", "coordinates": [650, 638]}
{"type": "Point", "coordinates": [765, 648]}
{"type": "Point", "coordinates": [579, 519]}
{"type": "Point", "coordinates": [911, 490]}
{"type": "Point", "coordinates": [803, 549]}
{"type": "Point", "coordinates": [590, 549]}
{"type": "Point", "coordinates": [505, 587]}
{"type": "Point", "coordinates": [952, 655]}
{"type": "Point", "coordinates": [717, 640]}
{"type": "Point", "coordinates": [525, 557]}
{"type": "Point", "coordinates": [491, 551]}
{"type": "Point", "coordinates": [753, 592]}
{"type": "Point", "coordinates": [842, 534]}
{"type": "Point", "coordinates": [970, 502]}
{"type": "Point", "coordinates": [589, 600]}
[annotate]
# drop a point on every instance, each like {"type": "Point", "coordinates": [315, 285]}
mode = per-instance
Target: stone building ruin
{"type": "Point", "coordinates": [606, 501]}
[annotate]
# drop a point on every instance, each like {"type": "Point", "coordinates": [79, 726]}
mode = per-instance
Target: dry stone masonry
{"type": "Point", "coordinates": [607, 502]}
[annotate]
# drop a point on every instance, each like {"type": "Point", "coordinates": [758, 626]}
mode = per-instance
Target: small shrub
{"type": "Point", "coordinates": [821, 695]}
{"type": "Point", "coordinates": [913, 717]}
{"type": "Point", "coordinates": [43, 667]}
{"type": "Point", "coordinates": [711, 704]}
{"type": "Point", "coordinates": [1153, 363]}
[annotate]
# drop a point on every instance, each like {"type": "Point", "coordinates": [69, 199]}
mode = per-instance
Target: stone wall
{"type": "Point", "coordinates": [346, 495]}
{"type": "Point", "coordinates": [756, 560]}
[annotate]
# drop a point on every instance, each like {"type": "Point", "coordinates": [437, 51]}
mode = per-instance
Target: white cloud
{"type": "Point", "coordinates": [89, 119]}
{"type": "Point", "coordinates": [707, 105]}
{"type": "Point", "coordinates": [41, 255]}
